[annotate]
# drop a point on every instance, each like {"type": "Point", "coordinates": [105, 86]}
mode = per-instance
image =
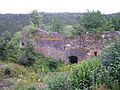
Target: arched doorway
{"type": "Point", "coordinates": [73, 59]}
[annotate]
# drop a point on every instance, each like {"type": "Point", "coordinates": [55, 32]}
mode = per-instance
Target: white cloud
{"type": "Point", "coordinates": [25, 6]}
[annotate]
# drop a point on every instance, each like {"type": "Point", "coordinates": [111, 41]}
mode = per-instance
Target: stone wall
{"type": "Point", "coordinates": [62, 47]}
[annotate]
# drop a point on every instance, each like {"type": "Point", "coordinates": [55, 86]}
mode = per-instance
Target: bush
{"type": "Point", "coordinates": [24, 86]}
{"type": "Point", "coordinates": [53, 64]}
{"type": "Point", "coordinates": [45, 64]}
{"type": "Point", "coordinates": [103, 78]}
{"type": "Point", "coordinates": [82, 75]}
{"type": "Point", "coordinates": [14, 69]}
{"type": "Point", "coordinates": [110, 58]}
{"type": "Point", "coordinates": [18, 71]}
{"type": "Point", "coordinates": [65, 67]}
{"type": "Point", "coordinates": [59, 82]}
{"type": "Point", "coordinates": [111, 54]}
{"type": "Point", "coordinates": [27, 57]}
{"type": "Point", "coordinates": [26, 61]}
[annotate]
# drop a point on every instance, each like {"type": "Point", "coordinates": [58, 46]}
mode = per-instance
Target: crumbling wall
{"type": "Point", "coordinates": [62, 47]}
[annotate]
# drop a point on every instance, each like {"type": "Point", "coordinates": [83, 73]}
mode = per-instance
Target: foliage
{"type": "Point", "coordinates": [18, 72]}
{"type": "Point", "coordinates": [82, 75]}
{"type": "Point", "coordinates": [111, 53]}
{"type": "Point", "coordinates": [66, 67]}
{"type": "Point", "coordinates": [112, 24]}
{"type": "Point", "coordinates": [86, 75]}
{"type": "Point", "coordinates": [78, 29]}
{"type": "Point", "coordinates": [104, 78]}
{"type": "Point", "coordinates": [68, 30]}
{"type": "Point", "coordinates": [35, 18]}
{"type": "Point", "coordinates": [15, 22]}
{"type": "Point", "coordinates": [57, 25]}
{"type": "Point", "coordinates": [115, 23]}
{"type": "Point", "coordinates": [15, 50]}
{"type": "Point", "coordinates": [29, 29]}
{"type": "Point", "coordinates": [110, 57]}
{"type": "Point", "coordinates": [108, 26]}
{"type": "Point", "coordinates": [45, 64]}
{"type": "Point", "coordinates": [59, 82]}
{"type": "Point", "coordinates": [27, 56]}
{"type": "Point", "coordinates": [40, 64]}
{"type": "Point", "coordinates": [92, 21]}
{"type": "Point", "coordinates": [4, 45]}
{"type": "Point", "coordinates": [23, 78]}
{"type": "Point", "coordinates": [54, 65]}
{"type": "Point", "coordinates": [24, 86]}
{"type": "Point", "coordinates": [95, 22]}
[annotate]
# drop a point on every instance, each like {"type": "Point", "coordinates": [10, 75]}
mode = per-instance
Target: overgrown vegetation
{"type": "Point", "coordinates": [92, 74]}
{"type": "Point", "coordinates": [110, 57]}
{"type": "Point", "coordinates": [82, 76]}
{"type": "Point", "coordinates": [33, 71]}
{"type": "Point", "coordinates": [15, 22]}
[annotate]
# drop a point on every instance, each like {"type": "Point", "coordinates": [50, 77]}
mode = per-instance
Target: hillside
{"type": "Point", "coordinates": [76, 55]}
{"type": "Point", "coordinates": [15, 22]}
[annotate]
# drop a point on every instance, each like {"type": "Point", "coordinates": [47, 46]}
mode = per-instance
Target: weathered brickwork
{"type": "Point", "coordinates": [64, 48]}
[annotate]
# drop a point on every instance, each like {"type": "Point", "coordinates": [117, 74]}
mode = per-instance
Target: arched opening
{"type": "Point", "coordinates": [95, 54]}
{"type": "Point", "coordinates": [73, 59]}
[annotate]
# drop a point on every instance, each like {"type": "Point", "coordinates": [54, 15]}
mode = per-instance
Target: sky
{"type": "Point", "coordinates": [26, 6]}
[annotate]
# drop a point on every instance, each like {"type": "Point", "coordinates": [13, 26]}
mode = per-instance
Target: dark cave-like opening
{"type": "Point", "coordinates": [22, 44]}
{"type": "Point", "coordinates": [95, 54]}
{"type": "Point", "coordinates": [73, 59]}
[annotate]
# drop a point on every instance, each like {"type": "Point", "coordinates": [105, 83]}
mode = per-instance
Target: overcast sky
{"type": "Point", "coordinates": [25, 6]}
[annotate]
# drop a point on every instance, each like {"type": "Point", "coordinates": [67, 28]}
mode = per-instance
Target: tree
{"type": "Point", "coordinates": [4, 45]}
{"type": "Point", "coordinates": [108, 26]}
{"type": "Point", "coordinates": [78, 30]}
{"type": "Point", "coordinates": [115, 23]}
{"type": "Point", "coordinates": [27, 57]}
{"type": "Point", "coordinates": [57, 25]}
{"type": "Point", "coordinates": [68, 30]}
{"type": "Point", "coordinates": [36, 18]}
{"type": "Point", "coordinates": [112, 24]}
{"type": "Point", "coordinates": [92, 21]}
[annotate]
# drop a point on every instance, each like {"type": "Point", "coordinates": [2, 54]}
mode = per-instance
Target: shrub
{"type": "Point", "coordinates": [15, 70]}
{"type": "Point", "coordinates": [110, 58]}
{"type": "Point", "coordinates": [27, 57]}
{"type": "Point", "coordinates": [53, 64]}
{"type": "Point", "coordinates": [26, 61]}
{"type": "Point", "coordinates": [24, 86]}
{"type": "Point", "coordinates": [66, 67]}
{"type": "Point", "coordinates": [103, 78]}
{"type": "Point", "coordinates": [45, 64]}
{"type": "Point", "coordinates": [18, 71]}
{"type": "Point", "coordinates": [111, 54]}
{"type": "Point", "coordinates": [59, 82]}
{"type": "Point", "coordinates": [82, 75]}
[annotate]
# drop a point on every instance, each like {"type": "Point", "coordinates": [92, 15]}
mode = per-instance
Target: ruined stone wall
{"type": "Point", "coordinates": [62, 47]}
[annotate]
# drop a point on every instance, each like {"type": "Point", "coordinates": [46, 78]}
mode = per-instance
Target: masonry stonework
{"type": "Point", "coordinates": [70, 49]}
